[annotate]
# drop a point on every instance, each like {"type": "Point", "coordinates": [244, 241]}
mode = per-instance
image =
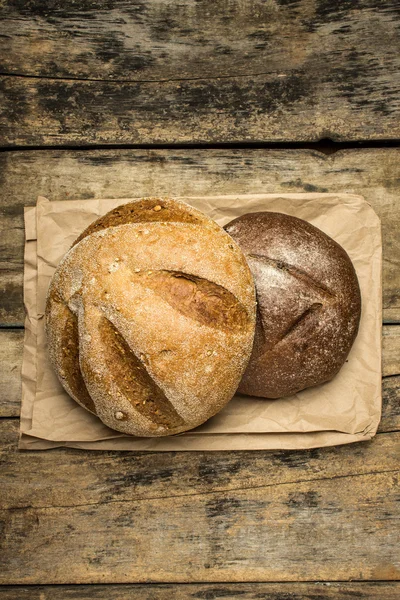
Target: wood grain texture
{"type": "Point", "coordinates": [304, 531]}
{"type": "Point", "coordinates": [92, 478]}
{"type": "Point", "coordinates": [61, 175]}
{"type": "Point", "coordinates": [153, 71]}
{"type": "Point", "coordinates": [390, 405]}
{"type": "Point", "coordinates": [11, 344]}
{"type": "Point", "coordinates": [391, 351]}
{"type": "Point", "coordinates": [155, 40]}
{"type": "Point", "coordinates": [225, 591]}
{"type": "Point", "coordinates": [46, 112]}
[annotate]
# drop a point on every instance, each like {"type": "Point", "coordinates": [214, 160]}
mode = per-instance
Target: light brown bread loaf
{"type": "Point", "coordinates": [308, 303]}
{"type": "Point", "coordinates": [150, 318]}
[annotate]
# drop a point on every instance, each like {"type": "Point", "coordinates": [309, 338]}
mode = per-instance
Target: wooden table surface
{"type": "Point", "coordinates": [127, 98]}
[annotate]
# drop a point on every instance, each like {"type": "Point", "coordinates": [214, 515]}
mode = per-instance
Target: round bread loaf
{"type": "Point", "coordinates": [309, 303]}
{"type": "Point", "coordinates": [150, 318]}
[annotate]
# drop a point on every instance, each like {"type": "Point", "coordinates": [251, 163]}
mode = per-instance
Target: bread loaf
{"type": "Point", "coordinates": [150, 318]}
{"type": "Point", "coordinates": [308, 303]}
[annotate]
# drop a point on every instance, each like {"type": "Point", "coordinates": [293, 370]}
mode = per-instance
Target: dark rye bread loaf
{"type": "Point", "coordinates": [150, 318]}
{"type": "Point", "coordinates": [309, 303]}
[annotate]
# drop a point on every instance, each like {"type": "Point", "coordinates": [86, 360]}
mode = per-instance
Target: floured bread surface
{"type": "Point", "coordinates": [150, 321]}
{"type": "Point", "coordinates": [309, 303]}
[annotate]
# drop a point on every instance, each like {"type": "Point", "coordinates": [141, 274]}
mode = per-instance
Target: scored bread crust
{"type": "Point", "coordinates": [309, 303]}
{"type": "Point", "coordinates": [150, 318]}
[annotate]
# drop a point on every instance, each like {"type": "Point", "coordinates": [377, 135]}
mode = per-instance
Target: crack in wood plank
{"type": "Point", "coordinates": [198, 494]}
{"type": "Point", "coordinates": [160, 80]}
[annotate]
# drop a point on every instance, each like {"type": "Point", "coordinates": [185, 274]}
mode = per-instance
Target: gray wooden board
{"type": "Point", "coordinates": [70, 478]}
{"type": "Point", "coordinates": [156, 40]}
{"type": "Point", "coordinates": [390, 405]}
{"type": "Point", "coordinates": [391, 351]}
{"type": "Point", "coordinates": [11, 345]}
{"type": "Point", "coordinates": [154, 72]}
{"type": "Point", "coordinates": [60, 175]}
{"type": "Point", "coordinates": [303, 531]}
{"type": "Point", "coordinates": [225, 591]}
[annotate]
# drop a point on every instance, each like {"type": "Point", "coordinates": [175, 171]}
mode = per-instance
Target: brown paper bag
{"type": "Point", "coordinates": [347, 409]}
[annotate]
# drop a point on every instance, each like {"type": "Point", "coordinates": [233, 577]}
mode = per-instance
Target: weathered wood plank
{"type": "Point", "coordinates": [11, 292]}
{"type": "Point", "coordinates": [308, 531]}
{"type": "Point", "coordinates": [70, 478]}
{"type": "Point", "coordinates": [52, 112]}
{"type": "Point", "coordinates": [390, 405]}
{"type": "Point", "coordinates": [199, 71]}
{"type": "Point", "coordinates": [226, 591]}
{"type": "Point", "coordinates": [152, 39]}
{"type": "Point", "coordinates": [60, 175]}
{"type": "Point", "coordinates": [11, 343]}
{"type": "Point", "coordinates": [391, 351]}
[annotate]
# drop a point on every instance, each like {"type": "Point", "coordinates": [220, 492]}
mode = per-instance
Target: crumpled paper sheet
{"type": "Point", "coordinates": [345, 410]}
